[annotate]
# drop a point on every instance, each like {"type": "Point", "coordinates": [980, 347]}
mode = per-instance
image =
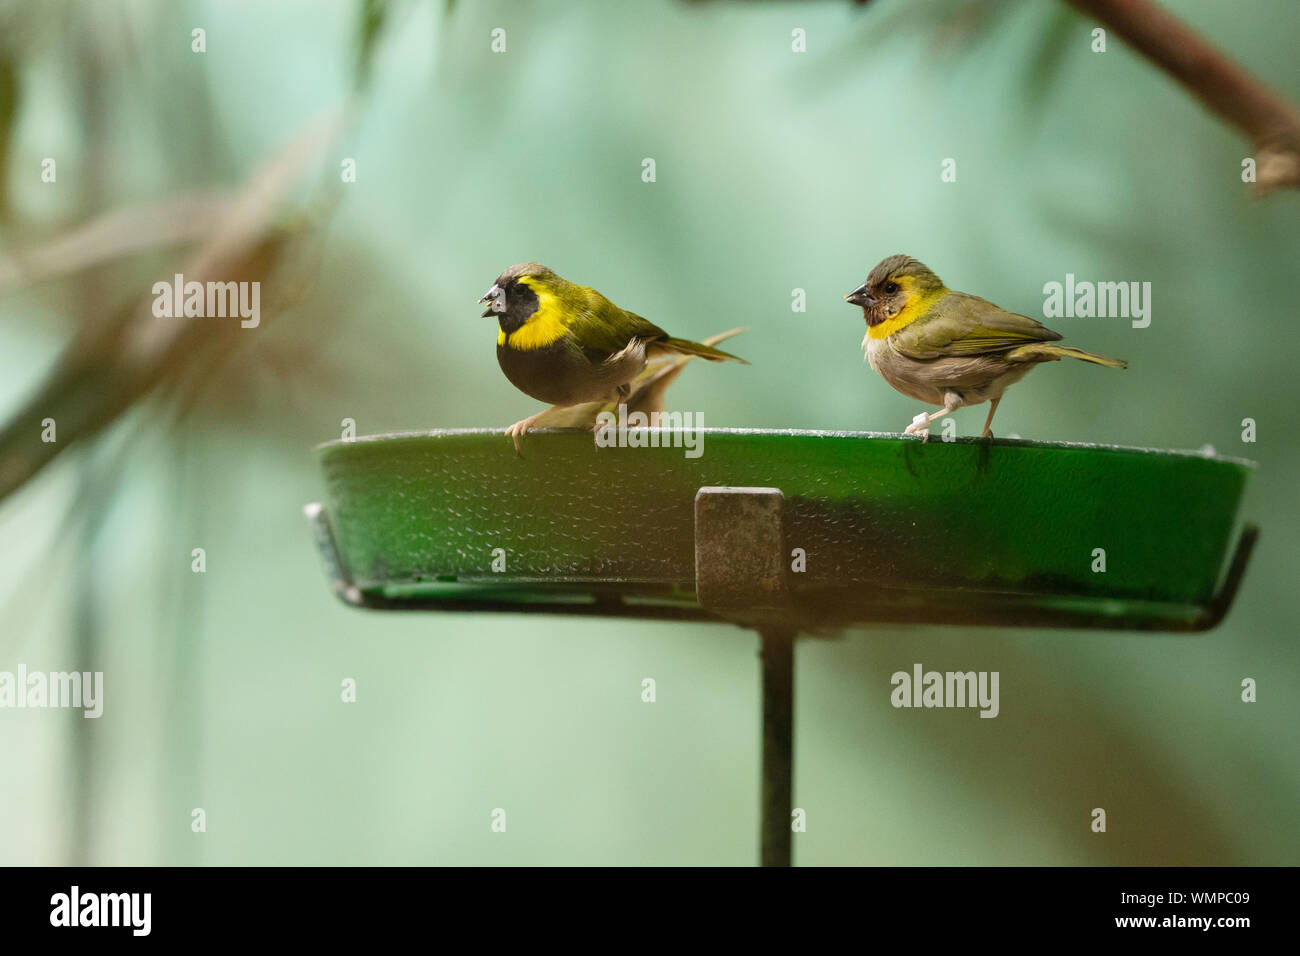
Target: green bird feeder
{"type": "Point", "coordinates": [786, 532]}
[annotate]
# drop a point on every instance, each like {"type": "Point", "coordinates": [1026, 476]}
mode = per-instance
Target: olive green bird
{"type": "Point", "coordinates": [566, 344]}
{"type": "Point", "coordinates": [949, 348]}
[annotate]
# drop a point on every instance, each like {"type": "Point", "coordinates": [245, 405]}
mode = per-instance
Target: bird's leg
{"type": "Point", "coordinates": [993, 407]}
{"type": "Point", "coordinates": [519, 429]}
{"type": "Point", "coordinates": [921, 423]}
{"type": "Point", "coordinates": [606, 429]}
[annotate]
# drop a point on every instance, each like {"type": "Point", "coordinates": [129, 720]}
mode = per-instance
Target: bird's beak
{"type": "Point", "coordinates": [497, 296]}
{"type": "Point", "coordinates": [860, 296]}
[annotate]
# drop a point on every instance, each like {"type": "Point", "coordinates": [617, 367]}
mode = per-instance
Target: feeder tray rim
{"type": "Point", "coordinates": [806, 433]}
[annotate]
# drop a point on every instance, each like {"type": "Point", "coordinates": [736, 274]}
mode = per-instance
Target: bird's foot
{"type": "Point", "coordinates": [920, 426]}
{"type": "Point", "coordinates": [519, 429]}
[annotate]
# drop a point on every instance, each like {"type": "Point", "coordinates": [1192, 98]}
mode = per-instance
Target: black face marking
{"type": "Point", "coordinates": [521, 302]}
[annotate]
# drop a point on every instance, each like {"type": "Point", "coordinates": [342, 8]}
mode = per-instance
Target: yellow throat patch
{"type": "Point", "coordinates": [918, 303]}
{"type": "Point", "coordinates": [544, 327]}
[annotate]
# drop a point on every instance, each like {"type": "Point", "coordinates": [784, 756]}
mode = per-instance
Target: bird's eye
{"type": "Point", "coordinates": [890, 288]}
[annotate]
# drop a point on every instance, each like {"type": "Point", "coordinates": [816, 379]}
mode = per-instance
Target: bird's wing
{"type": "Point", "coordinates": [603, 329]}
{"type": "Point", "coordinates": [645, 395]}
{"type": "Point", "coordinates": [962, 324]}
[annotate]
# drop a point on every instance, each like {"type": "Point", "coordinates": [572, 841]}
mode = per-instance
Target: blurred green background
{"type": "Point", "coordinates": [775, 170]}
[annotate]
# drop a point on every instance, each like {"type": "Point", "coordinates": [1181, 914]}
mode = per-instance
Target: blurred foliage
{"type": "Point", "coordinates": [8, 111]}
{"type": "Point", "coordinates": [373, 13]}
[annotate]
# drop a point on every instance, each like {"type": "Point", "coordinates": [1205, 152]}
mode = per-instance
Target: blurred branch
{"type": "Point", "coordinates": [112, 363]}
{"type": "Point", "coordinates": [370, 23]}
{"type": "Point", "coordinates": [116, 234]}
{"type": "Point", "coordinates": [8, 115]}
{"type": "Point", "coordinates": [1271, 122]}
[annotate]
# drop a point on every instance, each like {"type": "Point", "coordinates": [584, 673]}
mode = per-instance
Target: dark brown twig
{"type": "Point", "coordinates": [1270, 121]}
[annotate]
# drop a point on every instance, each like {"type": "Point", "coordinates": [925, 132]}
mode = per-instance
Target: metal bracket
{"type": "Point", "coordinates": [740, 555]}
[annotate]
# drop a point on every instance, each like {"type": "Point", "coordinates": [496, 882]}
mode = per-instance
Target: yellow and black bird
{"type": "Point", "coordinates": [567, 344]}
{"type": "Point", "coordinates": [949, 348]}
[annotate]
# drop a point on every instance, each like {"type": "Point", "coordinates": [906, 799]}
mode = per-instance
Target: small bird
{"type": "Point", "coordinates": [948, 348]}
{"type": "Point", "coordinates": [567, 344]}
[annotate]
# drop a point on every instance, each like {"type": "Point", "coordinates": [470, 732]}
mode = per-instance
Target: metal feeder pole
{"type": "Point", "coordinates": [777, 651]}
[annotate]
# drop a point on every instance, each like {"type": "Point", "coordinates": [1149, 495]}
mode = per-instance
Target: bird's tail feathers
{"type": "Point", "coordinates": [1045, 352]}
{"type": "Point", "coordinates": [699, 349]}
